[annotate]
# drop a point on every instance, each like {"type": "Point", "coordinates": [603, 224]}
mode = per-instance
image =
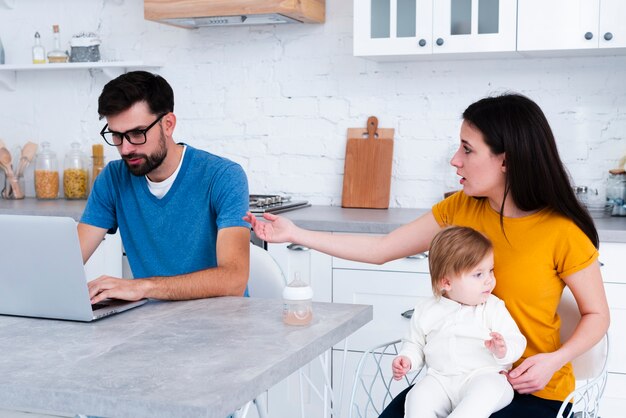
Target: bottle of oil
{"type": "Point", "coordinates": [39, 52]}
{"type": "Point", "coordinates": [57, 55]}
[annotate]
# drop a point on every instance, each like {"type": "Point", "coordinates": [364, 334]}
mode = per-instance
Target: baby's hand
{"type": "Point", "coordinates": [400, 366]}
{"type": "Point", "coordinates": [496, 344]}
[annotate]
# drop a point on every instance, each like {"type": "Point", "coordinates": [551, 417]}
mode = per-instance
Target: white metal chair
{"type": "Point", "coordinates": [266, 281]}
{"type": "Point", "coordinates": [590, 368]}
{"type": "Point", "coordinates": [266, 278]}
{"type": "Point", "coordinates": [374, 387]}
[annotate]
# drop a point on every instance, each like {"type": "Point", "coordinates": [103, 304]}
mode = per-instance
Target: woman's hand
{"type": "Point", "coordinates": [400, 367]}
{"type": "Point", "coordinates": [277, 229]}
{"type": "Point", "coordinates": [534, 373]}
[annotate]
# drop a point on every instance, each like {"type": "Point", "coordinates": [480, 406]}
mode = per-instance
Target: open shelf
{"type": "Point", "coordinates": [112, 69]}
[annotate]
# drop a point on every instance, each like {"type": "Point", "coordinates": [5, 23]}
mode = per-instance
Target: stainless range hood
{"type": "Point", "coordinates": [199, 22]}
{"type": "Point", "coordinates": [202, 13]}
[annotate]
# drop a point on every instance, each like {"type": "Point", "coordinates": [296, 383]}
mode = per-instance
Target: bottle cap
{"type": "Point", "coordinates": [297, 290]}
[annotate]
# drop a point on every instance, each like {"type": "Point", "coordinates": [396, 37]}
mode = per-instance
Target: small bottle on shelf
{"type": "Point", "coordinates": [57, 55]}
{"type": "Point", "coordinates": [39, 52]}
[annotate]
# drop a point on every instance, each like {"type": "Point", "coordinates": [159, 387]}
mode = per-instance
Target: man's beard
{"type": "Point", "coordinates": [150, 162]}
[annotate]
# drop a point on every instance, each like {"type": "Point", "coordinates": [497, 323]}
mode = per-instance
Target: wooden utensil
{"type": "Point", "coordinates": [367, 172]}
{"type": "Point", "coordinates": [28, 153]}
{"type": "Point", "coordinates": [5, 161]}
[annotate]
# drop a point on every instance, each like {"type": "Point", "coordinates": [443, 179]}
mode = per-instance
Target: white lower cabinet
{"type": "Point", "coordinates": [390, 293]}
{"type": "Point", "coordinates": [613, 402]}
{"type": "Point", "coordinates": [612, 257]}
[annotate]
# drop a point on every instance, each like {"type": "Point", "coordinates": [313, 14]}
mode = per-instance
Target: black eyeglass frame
{"type": "Point", "coordinates": [124, 135]}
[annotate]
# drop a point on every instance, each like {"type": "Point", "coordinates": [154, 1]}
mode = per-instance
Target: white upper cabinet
{"type": "Point", "coordinates": [392, 27]}
{"type": "Point", "coordinates": [412, 27]}
{"type": "Point", "coordinates": [399, 28]}
{"type": "Point", "coordinates": [474, 25]}
{"type": "Point", "coordinates": [571, 24]}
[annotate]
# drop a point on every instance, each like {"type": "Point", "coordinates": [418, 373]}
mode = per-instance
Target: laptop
{"type": "Point", "coordinates": [42, 273]}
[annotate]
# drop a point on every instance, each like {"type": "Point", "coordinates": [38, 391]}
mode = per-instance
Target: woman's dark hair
{"type": "Point", "coordinates": [535, 176]}
{"type": "Point", "coordinates": [124, 91]}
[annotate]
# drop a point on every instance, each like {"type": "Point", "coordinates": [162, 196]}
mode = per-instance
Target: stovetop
{"type": "Point", "coordinates": [268, 203]}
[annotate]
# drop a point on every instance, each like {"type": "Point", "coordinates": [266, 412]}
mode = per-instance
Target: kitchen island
{"type": "Point", "coordinates": [201, 358]}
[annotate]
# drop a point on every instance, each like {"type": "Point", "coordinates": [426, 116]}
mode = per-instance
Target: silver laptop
{"type": "Point", "coordinates": [42, 273]}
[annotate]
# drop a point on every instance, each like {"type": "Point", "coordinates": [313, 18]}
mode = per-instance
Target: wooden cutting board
{"type": "Point", "coordinates": [367, 173]}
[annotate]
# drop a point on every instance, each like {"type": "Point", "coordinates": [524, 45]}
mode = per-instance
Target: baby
{"type": "Point", "coordinates": [464, 334]}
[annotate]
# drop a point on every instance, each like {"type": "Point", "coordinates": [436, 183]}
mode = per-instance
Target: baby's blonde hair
{"type": "Point", "coordinates": [455, 250]}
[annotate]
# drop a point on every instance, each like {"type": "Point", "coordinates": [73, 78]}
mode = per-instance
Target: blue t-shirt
{"type": "Point", "coordinates": [177, 233]}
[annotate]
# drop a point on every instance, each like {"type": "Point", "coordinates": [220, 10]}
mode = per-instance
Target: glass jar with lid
{"type": "Point", "coordinates": [75, 173]}
{"type": "Point", "coordinates": [616, 192]}
{"type": "Point", "coordinates": [46, 173]}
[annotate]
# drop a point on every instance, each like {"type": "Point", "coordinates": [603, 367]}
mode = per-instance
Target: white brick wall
{"type": "Point", "coordinates": [278, 99]}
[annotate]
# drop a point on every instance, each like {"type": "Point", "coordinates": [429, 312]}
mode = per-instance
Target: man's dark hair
{"type": "Point", "coordinates": [124, 91]}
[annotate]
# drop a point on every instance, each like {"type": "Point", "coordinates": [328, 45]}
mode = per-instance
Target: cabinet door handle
{"type": "Point", "coordinates": [419, 256]}
{"type": "Point", "coordinates": [297, 247]}
{"type": "Point", "coordinates": [422, 42]}
{"type": "Point", "coordinates": [408, 314]}
{"type": "Point", "coordinates": [439, 41]}
{"type": "Point", "coordinates": [608, 36]}
{"type": "Point", "coordinates": [588, 36]}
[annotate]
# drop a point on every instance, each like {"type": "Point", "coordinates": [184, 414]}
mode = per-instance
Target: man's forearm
{"type": "Point", "coordinates": [217, 281]}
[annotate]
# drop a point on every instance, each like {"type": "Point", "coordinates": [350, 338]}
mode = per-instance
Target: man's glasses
{"type": "Point", "coordinates": [134, 136]}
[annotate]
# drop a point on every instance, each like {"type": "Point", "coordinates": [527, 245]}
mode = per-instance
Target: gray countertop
{"type": "Point", "coordinates": [201, 358]}
{"type": "Point", "coordinates": [320, 218]}
{"type": "Point", "coordinates": [381, 221]}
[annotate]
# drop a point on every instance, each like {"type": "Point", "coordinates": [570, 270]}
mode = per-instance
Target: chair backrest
{"type": "Point", "coordinates": [374, 386]}
{"type": "Point", "coordinates": [591, 363]}
{"type": "Point", "coordinates": [266, 278]}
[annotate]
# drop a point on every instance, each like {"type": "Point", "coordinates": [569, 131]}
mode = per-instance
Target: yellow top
{"type": "Point", "coordinates": [531, 257]}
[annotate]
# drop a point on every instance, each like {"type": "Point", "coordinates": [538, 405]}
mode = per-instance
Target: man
{"type": "Point", "coordinates": [179, 209]}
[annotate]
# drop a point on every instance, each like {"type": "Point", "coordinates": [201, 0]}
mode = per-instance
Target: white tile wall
{"type": "Point", "coordinates": [278, 99]}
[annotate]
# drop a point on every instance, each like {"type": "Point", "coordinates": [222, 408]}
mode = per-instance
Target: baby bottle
{"type": "Point", "coordinates": [297, 302]}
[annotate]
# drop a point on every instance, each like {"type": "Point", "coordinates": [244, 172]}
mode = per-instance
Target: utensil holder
{"type": "Point", "coordinates": [8, 192]}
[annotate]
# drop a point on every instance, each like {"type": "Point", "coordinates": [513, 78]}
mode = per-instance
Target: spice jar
{"type": "Point", "coordinates": [75, 173]}
{"type": "Point", "coordinates": [46, 173]}
{"type": "Point", "coordinates": [297, 302]}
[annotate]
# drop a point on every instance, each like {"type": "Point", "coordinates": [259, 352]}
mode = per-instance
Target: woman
{"type": "Point", "coordinates": [516, 192]}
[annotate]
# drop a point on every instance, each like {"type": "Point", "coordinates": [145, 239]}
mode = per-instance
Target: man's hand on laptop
{"type": "Point", "coordinates": [107, 287]}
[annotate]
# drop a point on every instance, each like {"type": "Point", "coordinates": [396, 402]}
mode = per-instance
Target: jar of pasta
{"type": "Point", "coordinates": [75, 173]}
{"type": "Point", "coordinates": [46, 173]}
